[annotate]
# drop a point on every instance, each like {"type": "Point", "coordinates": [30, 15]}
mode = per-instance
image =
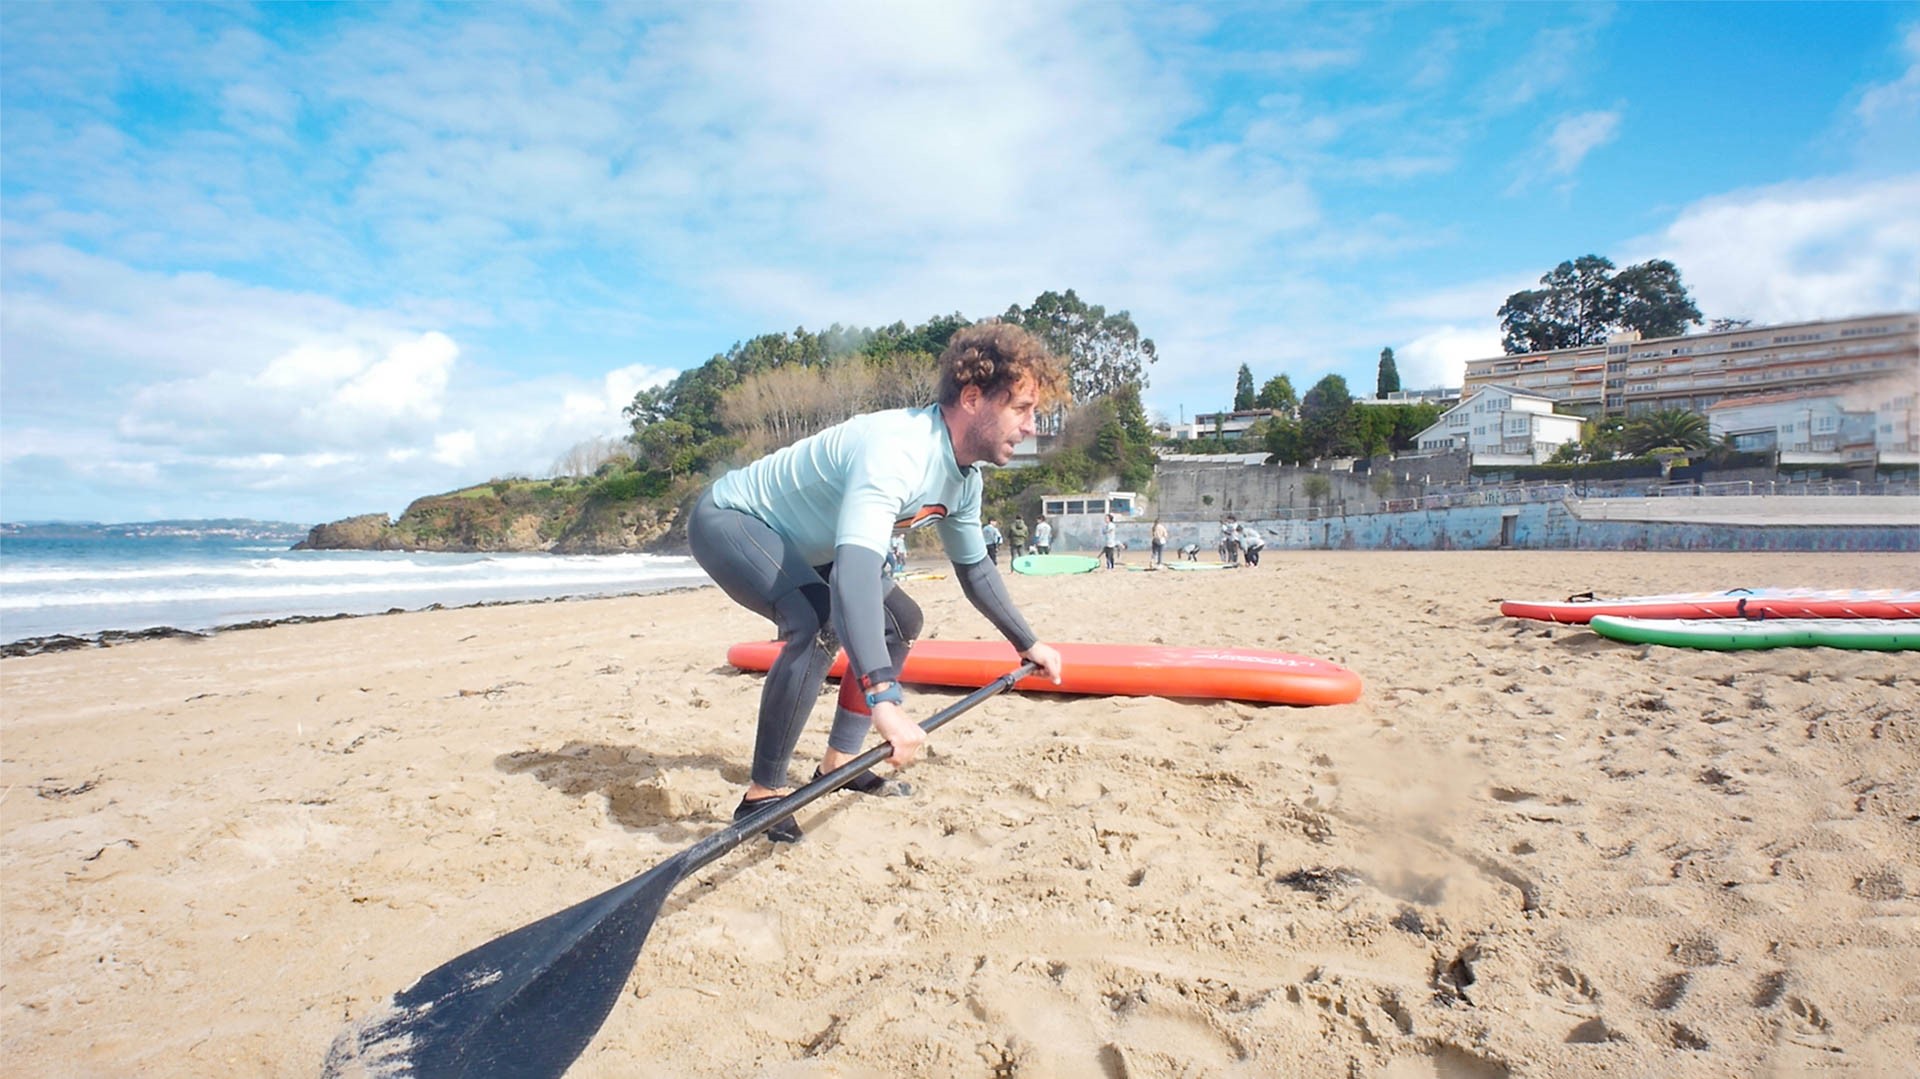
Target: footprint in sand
{"type": "Point", "coordinates": [1594, 1031]}
{"type": "Point", "coordinates": [1698, 950]}
{"type": "Point", "coordinates": [1685, 1037]}
{"type": "Point", "coordinates": [1807, 1018]}
{"type": "Point", "coordinates": [1772, 987]}
{"type": "Point", "coordinates": [1567, 984]}
{"type": "Point", "coordinates": [1669, 992]}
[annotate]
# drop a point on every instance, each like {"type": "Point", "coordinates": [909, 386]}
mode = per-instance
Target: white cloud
{"type": "Point", "coordinates": [68, 308]}
{"type": "Point", "coordinates": [736, 168]}
{"type": "Point", "coordinates": [1896, 102]}
{"type": "Point", "coordinates": [616, 392]}
{"type": "Point", "coordinates": [202, 395]}
{"type": "Point", "coordinates": [455, 448]}
{"type": "Point", "coordinates": [1456, 303]}
{"type": "Point", "coordinates": [1439, 356]}
{"type": "Point", "coordinates": [311, 366]}
{"type": "Point", "coordinates": [1562, 151]}
{"type": "Point", "coordinates": [1575, 137]}
{"type": "Point", "coordinates": [311, 396]}
{"type": "Point", "coordinates": [1553, 58]}
{"type": "Point", "coordinates": [408, 383]}
{"type": "Point", "coordinates": [1799, 251]}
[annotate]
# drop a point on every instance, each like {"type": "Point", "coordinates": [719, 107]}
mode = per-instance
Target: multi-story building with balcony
{"type": "Point", "coordinates": [1629, 376]}
{"type": "Point", "coordinates": [1865, 424]}
{"type": "Point", "coordinates": [1500, 425]}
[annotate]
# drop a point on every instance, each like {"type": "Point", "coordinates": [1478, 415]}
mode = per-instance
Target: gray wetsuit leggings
{"type": "Point", "coordinates": [760, 570]}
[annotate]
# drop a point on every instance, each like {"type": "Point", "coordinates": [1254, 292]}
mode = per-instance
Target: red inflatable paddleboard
{"type": "Point", "coordinates": [1734, 603]}
{"type": "Point", "coordinates": [1127, 670]}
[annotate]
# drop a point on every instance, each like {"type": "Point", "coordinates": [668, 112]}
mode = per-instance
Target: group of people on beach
{"type": "Point", "coordinates": [1016, 534]}
{"type": "Point", "coordinates": [990, 534]}
{"type": "Point", "coordinates": [1239, 540]}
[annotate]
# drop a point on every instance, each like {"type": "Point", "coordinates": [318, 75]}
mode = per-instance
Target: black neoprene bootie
{"type": "Point", "coordinates": [873, 783]}
{"type": "Point", "coordinates": [784, 830]}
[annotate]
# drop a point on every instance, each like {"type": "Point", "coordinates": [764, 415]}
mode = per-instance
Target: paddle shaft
{"type": "Point", "coordinates": [719, 843]}
{"type": "Point", "coordinates": [525, 1005]}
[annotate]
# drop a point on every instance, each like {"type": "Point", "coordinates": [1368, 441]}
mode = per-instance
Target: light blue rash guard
{"type": "Point", "coordinates": [858, 482]}
{"type": "Point", "coordinates": [839, 496]}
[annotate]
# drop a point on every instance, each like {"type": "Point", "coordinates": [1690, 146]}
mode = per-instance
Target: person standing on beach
{"type": "Point", "coordinates": [1159, 542]}
{"type": "Point", "coordinates": [1251, 542]}
{"type": "Point", "coordinates": [990, 533]}
{"type": "Point", "coordinates": [1042, 536]}
{"type": "Point", "coordinates": [1109, 540]}
{"type": "Point", "coordinates": [799, 536]}
{"type": "Point", "coordinates": [1017, 532]}
{"type": "Point", "coordinates": [897, 555]}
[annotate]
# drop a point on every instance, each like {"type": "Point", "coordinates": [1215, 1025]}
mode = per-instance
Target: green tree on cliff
{"type": "Point", "coordinates": [1278, 394]}
{"type": "Point", "coordinates": [1583, 302]}
{"type": "Point", "coordinates": [1103, 352]}
{"type": "Point", "coordinates": [1388, 380]}
{"type": "Point", "coordinates": [1327, 419]}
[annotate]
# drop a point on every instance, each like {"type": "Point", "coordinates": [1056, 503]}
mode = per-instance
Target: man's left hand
{"type": "Point", "coordinates": [1047, 658]}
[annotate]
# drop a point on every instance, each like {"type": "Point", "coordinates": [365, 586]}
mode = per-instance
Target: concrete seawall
{"type": "Point", "coordinates": [1735, 523]}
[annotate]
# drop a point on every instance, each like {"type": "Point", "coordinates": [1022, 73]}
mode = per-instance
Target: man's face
{"type": "Point", "coordinates": [998, 425]}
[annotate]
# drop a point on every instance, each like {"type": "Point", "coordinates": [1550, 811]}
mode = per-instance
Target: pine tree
{"type": "Point", "coordinates": [1389, 375]}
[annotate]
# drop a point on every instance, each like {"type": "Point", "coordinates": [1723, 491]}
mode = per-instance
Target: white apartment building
{"type": "Point", "coordinates": [1873, 423]}
{"type": "Point", "coordinates": [1229, 426]}
{"type": "Point", "coordinates": [1501, 425]}
{"type": "Point", "coordinates": [1233, 426]}
{"type": "Point", "coordinates": [1629, 376]}
{"type": "Point", "coordinates": [1438, 395]}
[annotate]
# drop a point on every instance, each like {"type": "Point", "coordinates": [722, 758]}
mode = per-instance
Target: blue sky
{"type": "Point", "coordinates": [304, 261]}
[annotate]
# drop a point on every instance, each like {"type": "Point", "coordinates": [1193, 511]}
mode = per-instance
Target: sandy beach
{"type": "Point", "coordinates": [1526, 851]}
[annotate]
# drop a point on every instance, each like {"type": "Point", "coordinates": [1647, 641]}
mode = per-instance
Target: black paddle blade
{"type": "Point", "coordinates": [523, 1006]}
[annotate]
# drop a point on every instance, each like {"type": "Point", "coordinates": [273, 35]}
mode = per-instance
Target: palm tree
{"type": "Point", "coordinates": [1673, 427]}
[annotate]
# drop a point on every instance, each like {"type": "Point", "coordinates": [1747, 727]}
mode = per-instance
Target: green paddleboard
{"type": "Point", "coordinates": [1051, 565]}
{"type": "Point", "coordinates": [1737, 634]}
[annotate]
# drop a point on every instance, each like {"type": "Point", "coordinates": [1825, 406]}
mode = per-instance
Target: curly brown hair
{"type": "Point", "coordinates": [995, 356]}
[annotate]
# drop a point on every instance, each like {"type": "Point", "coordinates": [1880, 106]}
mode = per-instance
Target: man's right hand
{"type": "Point", "coordinates": [901, 731]}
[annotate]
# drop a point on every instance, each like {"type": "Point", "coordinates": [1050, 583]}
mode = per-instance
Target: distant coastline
{"type": "Point", "coordinates": [83, 584]}
{"type": "Point", "coordinates": [67, 642]}
{"type": "Point", "coordinates": [219, 527]}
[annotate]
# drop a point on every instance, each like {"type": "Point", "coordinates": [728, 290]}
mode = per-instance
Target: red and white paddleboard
{"type": "Point", "coordinates": [1127, 670]}
{"type": "Point", "coordinates": [1733, 603]}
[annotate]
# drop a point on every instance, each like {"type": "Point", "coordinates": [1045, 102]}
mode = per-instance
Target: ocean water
{"type": "Point", "coordinates": [89, 580]}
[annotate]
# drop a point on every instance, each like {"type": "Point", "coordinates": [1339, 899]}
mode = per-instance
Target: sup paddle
{"type": "Point", "coordinates": [526, 1005]}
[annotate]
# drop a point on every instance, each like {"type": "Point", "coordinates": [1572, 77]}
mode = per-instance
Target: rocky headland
{"type": "Point", "coordinates": [549, 516]}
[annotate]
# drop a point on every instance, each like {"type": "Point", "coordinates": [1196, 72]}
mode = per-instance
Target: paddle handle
{"type": "Point", "coordinates": [738, 832]}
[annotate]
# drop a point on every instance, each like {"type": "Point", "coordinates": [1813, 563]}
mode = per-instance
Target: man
{"type": "Point", "coordinates": [1017, 532]}
{"type": "Point", "coordinates": [1251, 542]}
{"type": "Point", "coordinates": [897, 555]}
{"type": "Point", "coordinates": [990, 535]}
{"type": "Point", "coordinates": [798, 537]}
{"type": "Point", "coordinates": [1042, 536]}
{"type": "Point", "coordinates": [1158, 540]}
